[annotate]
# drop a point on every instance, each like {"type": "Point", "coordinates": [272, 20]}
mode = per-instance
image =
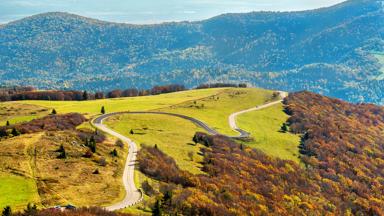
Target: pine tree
{"type": "Point", "coordinates": [85, 95]}
{"type": "Point", "coordinates": [53, 112]}
{"type": "Point", "coordinates": [31, 209]}
{"type": "Point", "coordinates": [157, 209]}
{"type": "Point", "coordinates": [92, 144]}
{"type": "Point", "coordinates": [7, 124]}
{"type": "Point", "coordinates": [15, 132]}
{"type": "Point", "coordinates": [61, 148]}
{"type": "Point", "coordinates": [114, 153]}
{"type": "Point", "coordinates": [102, 110]}
{"type": "Point", "coordinates": [284, 128]}
{"type": "Point", "coordinates": [131, 132]}
{"type": "Point", "coordinates": [7, 211]}
{"type": "Point", "coordinates": [62, 154]}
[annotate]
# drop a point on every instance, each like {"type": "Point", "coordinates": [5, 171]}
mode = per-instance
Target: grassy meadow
{"type": "Point", "coordinates": [16, 191]}
{"type": "Point", "coordinates": [171, 134]}
{"type": "Point", "coordinates": [29, 164]}
{"type": "Point", "coordinates": [37, 168]}
{"type": "Point", "coordinates": [19, 112]}
{"type": "Point", "coordinates": [264, 126]}
{"type": "Point", "coordinates": [215, 110]}
{"type": "Point", "coordinates": [93, 107]}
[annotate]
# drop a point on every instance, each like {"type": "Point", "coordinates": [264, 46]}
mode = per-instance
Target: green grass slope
{"type": "Point", "coordinates": [171, 134]}
{"type": "Point", "coordinates": [264, 126]}
{"type": "Point", "coordinates": [93, 107]}
{"type": "Point", "coordinates": [215, 110]}
{"type": "Point", "coordinates": [17, 191]}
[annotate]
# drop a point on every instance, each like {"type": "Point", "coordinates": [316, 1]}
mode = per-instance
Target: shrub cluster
{"type": "Point", "coordinates": [221, 85]}
{"type": "Point", "coordinates": [90, 211]}
{"type": "Point", "coordinates": [47, 123]}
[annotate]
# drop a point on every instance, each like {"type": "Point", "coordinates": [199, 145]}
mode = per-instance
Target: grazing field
{"type": "Point", "coordinates": [16, 112]}
{"type": "Point", "coordinates": [17, 182]}
{"type": "Point", "coordinates": [93, 107]}
{"type": "Point", "coordinates": [171, 134]}
{"type": "Point", "coordinates": [215, 110]}
{"type": "Point", "coordinates": [17, 191]}
{"type": "Point", "coordinates": [264, 126]}
{"type": "Point", "coordinates": [34, 159]}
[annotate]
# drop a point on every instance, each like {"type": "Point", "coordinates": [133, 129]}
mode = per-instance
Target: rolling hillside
{"type": "Point", "coordinates": [331, 51]}
{"type": "Point", "coordinates": [31, 162]}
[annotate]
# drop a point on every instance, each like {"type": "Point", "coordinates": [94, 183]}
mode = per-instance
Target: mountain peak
{"type": "Point", "coordinates": [62, 17]}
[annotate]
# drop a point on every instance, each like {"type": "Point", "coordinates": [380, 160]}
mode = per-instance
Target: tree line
{"type": "Point", "coordinates": [30, 93]}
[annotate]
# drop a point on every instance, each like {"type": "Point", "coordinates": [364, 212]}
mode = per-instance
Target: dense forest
{"type": "Point", "coordinates": [333, 51]}
{"type": "Point", "coordinates": [31, 93]}
{"type": "Point", "coordinates": [342, 152]}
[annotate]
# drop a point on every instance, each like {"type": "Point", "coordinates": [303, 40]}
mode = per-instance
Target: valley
{"type": "Point", "coordinates": [327, 50]}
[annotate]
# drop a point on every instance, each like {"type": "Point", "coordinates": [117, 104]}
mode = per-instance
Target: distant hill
{"type": "Point", "coordinates": [335, 51]}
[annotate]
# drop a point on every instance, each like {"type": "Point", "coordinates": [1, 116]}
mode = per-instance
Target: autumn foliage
{"type": "Point", "coordinates": [47, 123]}
{"type": "Point", "coordinates": [91, 211]}
{"type": "Point", "coordinates": [30, 93]}
{"type": "Point", "coordinates": [344, 143]}
{"type": "Point", "coordinates": [341, 172]}
{"type": "Point", "coordinates": [239, 181]}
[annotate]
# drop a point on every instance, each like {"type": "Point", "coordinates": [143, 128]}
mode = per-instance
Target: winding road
{"type": "Point", "coordinates": [232, 117]}
{"type": "Point", "coordinates": [134, 195]}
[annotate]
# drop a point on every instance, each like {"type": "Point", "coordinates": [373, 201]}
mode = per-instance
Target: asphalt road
{"type": "Point", "coordinates": [134, 195]}
{"type": "Point", "coordinates": [232, 117]}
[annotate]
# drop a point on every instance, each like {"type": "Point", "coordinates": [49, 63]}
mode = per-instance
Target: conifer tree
{"type": "Point", "coordinates": [157, 209]}
{"type": "Point", "coordinates": [7, 211]}
{"type": "Point", "coordinates": [15, 132]}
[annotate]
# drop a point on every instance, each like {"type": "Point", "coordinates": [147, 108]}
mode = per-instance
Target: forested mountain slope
{"type": "Point", "coordinates": [342, 153]}
{"type": "Point", "coordinates": [334, 51]}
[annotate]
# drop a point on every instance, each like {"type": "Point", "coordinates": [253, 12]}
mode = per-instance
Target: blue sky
{"type": "Point", "coordinates": [150, 11]}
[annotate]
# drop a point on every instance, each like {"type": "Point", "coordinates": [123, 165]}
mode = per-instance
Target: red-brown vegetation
{"type": "Point", "coordinates": [92, 211]}
{"type": "Point", "coordinates": [221, 85]}
{"type": "Point", "coordinates": [342, 152]}
{"type": "Point", "coordinates": [47, 123]}
{"type": "Point", "coordinates": [344, 143]}
{"type": "Point", "coordinates": [29, 93]}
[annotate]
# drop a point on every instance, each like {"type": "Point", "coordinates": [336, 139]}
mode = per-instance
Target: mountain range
{"type": "Point", "coordinates": [336, 51]}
